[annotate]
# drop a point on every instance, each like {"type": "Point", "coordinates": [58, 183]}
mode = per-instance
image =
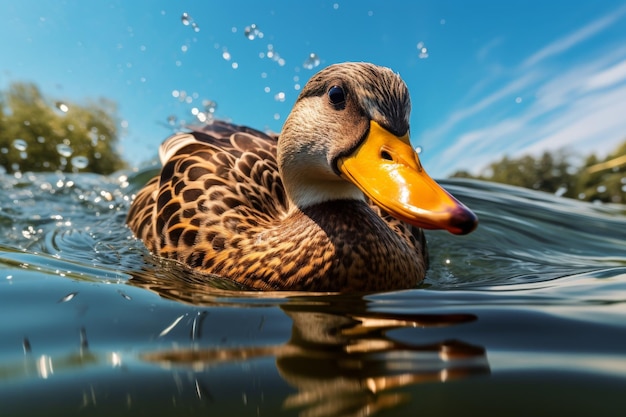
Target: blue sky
{"type": "Point", "coordinates": [496, 77]}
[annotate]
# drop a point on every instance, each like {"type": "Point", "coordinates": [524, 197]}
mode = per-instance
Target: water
{"type": "Point", "coordinates": [526, 316]}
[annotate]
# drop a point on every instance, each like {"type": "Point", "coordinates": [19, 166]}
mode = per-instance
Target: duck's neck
{"type": "Point", "coordinates": [343, 245]}
{"type": "Point", "coordinates": [306, 194]}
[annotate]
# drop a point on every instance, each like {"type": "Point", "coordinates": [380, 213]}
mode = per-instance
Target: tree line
{"type": "Point", "coordinates": [591, 179]}
{"type": "Point", "coordinates": [42, 134]}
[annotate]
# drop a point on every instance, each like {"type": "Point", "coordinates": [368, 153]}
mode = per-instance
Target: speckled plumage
{"type": "Point", "coordinates": [220, 205]}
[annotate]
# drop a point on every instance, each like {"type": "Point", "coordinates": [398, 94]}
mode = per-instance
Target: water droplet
{"type": "Point", "coordinates": [336, 6]}
{"type": "Point", "coordinates": [560, 191]}
{"type": "Point", "coordinates": [64, 150]}
{"type": "Point", "coordinates": [20, 145]}
{"type": "Point", "coordinates": [280, 96]}
{"type": "Point", "coordinates": [234, 65]}
{"type": "Point", "coordinates": [518, 100]}
{"type": "Point", "coordinates": [80, 162]}
{"type": "Point", "coordinates": [311, 62]}
{"type": "Point", "coordinates": [252, 32]}
{"type": "Point", "coordinates": [171, 120]}
{"type": "Point", "coordinates": [124, 295]}
{"type": "Point", "coordinates": [202, 117]}
{"type": "Point", "coordinates": [186, 19]}
{"type": "Point", "coordinates": [226, 55]}
{"type": "Point", "coordinates": [418, 150]}
{"type": "Point", "coordinates": [195, 27]}
{"type": "Point", "coordinates": [423, 51]}
{"type": "Point", "coordinates": [601, 189]}
{"type": "Point", "coordinates": [276, 116]}
{"type": "Point", "coordinates": [62, 106]}
{"type": "Point", "coordinates": [209, 106]}
{"type": "Point", "coordinates": [68, 297]}
{"type": "Point", "coordinates": [41, 139]}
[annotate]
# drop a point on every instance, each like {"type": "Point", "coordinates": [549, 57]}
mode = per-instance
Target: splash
{"type": "Point", "coordinates": [312, 61]}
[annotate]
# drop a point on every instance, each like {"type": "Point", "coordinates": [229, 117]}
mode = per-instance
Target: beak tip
{"type": "Point", "coordinates": [463, 221]}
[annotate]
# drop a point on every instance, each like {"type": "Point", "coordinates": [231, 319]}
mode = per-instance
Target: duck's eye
{"type": "Point", "coordinates": [337, 97]}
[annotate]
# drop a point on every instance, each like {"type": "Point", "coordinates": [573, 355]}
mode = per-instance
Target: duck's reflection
{"type": "Point", "coordinates": [342, 358]}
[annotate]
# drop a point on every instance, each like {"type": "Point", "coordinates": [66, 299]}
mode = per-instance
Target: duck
{"type": "Point", "coordinates": [336, 202]}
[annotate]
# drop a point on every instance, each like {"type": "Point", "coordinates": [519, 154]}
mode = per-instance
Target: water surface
{"type": "Point", "coordinates": [525, 316]}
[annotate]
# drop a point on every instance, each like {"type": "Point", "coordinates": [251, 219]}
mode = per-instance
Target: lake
{"type": "Point", "coordinates": [525, 316]}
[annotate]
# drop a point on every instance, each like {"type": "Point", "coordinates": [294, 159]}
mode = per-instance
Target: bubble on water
{"type": "Point", "coordinates": [79, 162]}
{"type": "Point", "coordinates": [280, 96]}
{"type": "Point", "coordinates": [62, 106]}
{"type": "Point", "coordinates": [252, 32]}
{"type": "Point", "coordinates": [20, 144]}
{"type": "Point", "coordinates": [423, 51]}
{"type": "Point", "coordinates": [64, 150]}
{"type": "Point", "coordinates": [312, 61]}
{"type": "Point", "coordinates": [186, 19]}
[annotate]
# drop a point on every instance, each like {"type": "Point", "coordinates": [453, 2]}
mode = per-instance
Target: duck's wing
{"type": "Point", "coordinates": [208, 174]}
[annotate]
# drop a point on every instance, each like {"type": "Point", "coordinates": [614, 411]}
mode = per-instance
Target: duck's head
{"type": "Point", "coordinates": [348, 135]}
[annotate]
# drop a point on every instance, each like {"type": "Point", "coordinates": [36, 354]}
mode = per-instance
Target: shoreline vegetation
{"type": "Point", "coordinates": [561, 173]}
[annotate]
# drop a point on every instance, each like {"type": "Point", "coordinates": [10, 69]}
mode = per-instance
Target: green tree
{"type": "Point", "coordinates": [37, 134]}
{"type": "Point", "coordinates": [594, 180]}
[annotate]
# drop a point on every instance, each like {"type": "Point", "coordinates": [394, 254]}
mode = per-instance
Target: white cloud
{"type": "Point", "coordinates": [579, 106]}
{"type": "Point", "coordinates": [607, 78]}
{"type": "Point", "coordinates": [571, 40]}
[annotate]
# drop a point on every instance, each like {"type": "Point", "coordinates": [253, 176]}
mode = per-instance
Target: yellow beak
{"type": "Point", "coordinates": [387, 169]}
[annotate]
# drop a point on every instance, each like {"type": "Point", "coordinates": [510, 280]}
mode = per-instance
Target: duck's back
{"type": "Point", "coordinates": [209, 175]}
